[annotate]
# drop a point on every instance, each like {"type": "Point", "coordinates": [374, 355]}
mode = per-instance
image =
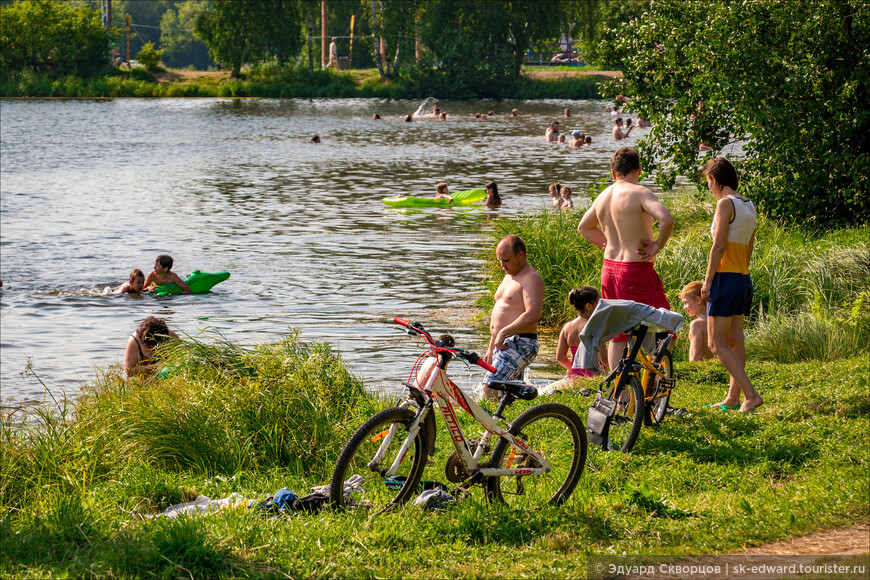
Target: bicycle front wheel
{"type": "Point", "coordinates": [626, 424]}
{"type": "Point", "coordinates": [370, 453]}
{"type": "Point", "coordinates": [556, 432]}
{"type": "Point", "coordinates": [658, 410]}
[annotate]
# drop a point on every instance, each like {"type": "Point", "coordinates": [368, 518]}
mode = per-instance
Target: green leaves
{"type": "Point", "coordinates": [777, 85]}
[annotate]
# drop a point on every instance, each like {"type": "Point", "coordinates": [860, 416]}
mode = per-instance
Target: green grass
{"type": "Point", "coordinates": [270, 82]}
{"type": "Point", "coordinates": [77, 482]}
{"type": "Point", "coordinates": [806, 285]}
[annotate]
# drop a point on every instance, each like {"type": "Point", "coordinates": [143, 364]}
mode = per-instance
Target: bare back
{"type": "Point", "coordinates": [623, 213]}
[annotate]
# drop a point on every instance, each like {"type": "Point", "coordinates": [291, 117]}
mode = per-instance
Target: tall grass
{"type": "Point", "coordinates": [226, 409]}
{"type": "Point", "coordinates": [805, 284]}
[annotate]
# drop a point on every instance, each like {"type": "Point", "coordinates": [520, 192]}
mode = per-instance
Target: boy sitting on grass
{"type": "Point", "coordinates": [162, 274]}
{"type": "Point", "coordinates": [699, 349]}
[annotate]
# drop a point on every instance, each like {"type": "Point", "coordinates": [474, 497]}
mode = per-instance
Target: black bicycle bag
{"type": "Point", "coordinates": [598, 421]}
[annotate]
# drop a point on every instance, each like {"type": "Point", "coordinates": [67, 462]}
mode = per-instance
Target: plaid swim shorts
{"type": "Point", "coordinates": [510, 363]}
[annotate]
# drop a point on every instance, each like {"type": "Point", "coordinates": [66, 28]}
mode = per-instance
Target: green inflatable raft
{"type": "Point", "coordinates": [199, 282]}
{"type": "Point", "coordinates": [459, 198]}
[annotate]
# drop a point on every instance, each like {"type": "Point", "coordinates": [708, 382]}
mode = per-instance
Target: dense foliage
{"type": "Point", "coordinates": [52, 37]}
{"type": "Point", "coordinates": [788, 80]}
{"type": "Point", "coordinates": [178, 41]}
{"type": "Point", "coordinates": [250, 32]}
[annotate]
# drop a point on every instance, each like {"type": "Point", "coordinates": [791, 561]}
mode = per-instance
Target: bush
{"type": "Point", "coordinates": [149, 57]}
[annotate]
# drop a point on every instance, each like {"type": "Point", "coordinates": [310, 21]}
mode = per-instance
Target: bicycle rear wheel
{"type": "Point", "coordinates": [360, 457]}
{"type": "Point", "coordinates": [626, 424]}
{"type": "Point", "coordinates": [658, 410]}
{"type": "Point", "coordinates": [556, 432]}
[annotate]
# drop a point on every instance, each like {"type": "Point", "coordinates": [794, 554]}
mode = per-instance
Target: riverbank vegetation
{"type": "Point", "coordinates": [78, 480]}
{"type": "Point", "coordinates": [811, 294]}
{"type": "Point", "coordinates": [777, 77]}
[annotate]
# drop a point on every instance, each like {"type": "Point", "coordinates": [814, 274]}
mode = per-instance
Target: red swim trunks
{"type": "Point", "coordinates": [636, 281]}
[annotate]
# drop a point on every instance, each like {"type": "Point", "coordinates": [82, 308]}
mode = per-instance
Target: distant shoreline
{"type": "Point", "coordinates": [365, 83]}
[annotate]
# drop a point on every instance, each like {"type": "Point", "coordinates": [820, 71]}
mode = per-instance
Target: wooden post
{"type": "Point", "coordinates": [128, 39]}
{"type": "Point", "coordinates": [324, 32]}
{"type": "Point", "coordinates": [418, 43]}
{"type": "Point", "coordinates": [350, 57]}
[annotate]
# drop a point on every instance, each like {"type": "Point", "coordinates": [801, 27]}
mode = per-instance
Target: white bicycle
{"type": "Point", "coordinates": [538, 457]}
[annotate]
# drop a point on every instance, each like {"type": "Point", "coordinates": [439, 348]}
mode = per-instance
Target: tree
{"type": "Point", "coordinates": [52, 37]}
{"type": "Point", "coordinates": [179, 44]}
{"type": "Point", "coordinates": [786, 82]}
{"type": "Point", "coordinates": [250, 32]}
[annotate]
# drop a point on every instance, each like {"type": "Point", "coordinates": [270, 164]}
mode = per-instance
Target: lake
{"type": "Point", "coordinates": [91, 189]}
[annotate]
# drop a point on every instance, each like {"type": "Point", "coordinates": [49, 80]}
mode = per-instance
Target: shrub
{"type": "Point", "coordinates": [149, 57]}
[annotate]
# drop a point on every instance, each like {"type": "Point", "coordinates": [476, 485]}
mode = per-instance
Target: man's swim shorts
{"type": "Point", "coordinates": [636, 281]}
{"type": "Point", "coordinates": [520, 351]}
{"type": "Point", "coordinates": [730, 295]}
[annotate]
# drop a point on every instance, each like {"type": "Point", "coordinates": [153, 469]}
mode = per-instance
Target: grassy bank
{"type": "Point", "coordinates": [77, 481]}
{"type": "Point", "coordinates": [278, 83]}
{"type": "Point", "coordinates": [811, 301]}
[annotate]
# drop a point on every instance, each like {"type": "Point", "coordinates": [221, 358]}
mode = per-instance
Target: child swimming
{"type": "Point", "coordinates": [442, 192]}
{"type": "Point", "coordinates": [162, 274]}
{"type": "Point", "coordinates": [134, 285]}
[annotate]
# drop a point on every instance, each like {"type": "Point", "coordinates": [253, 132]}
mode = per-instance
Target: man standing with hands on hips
{"type": "Point", "coordinates": [620, 222]}
{"type": "Point", "coordinates": [514, 321]}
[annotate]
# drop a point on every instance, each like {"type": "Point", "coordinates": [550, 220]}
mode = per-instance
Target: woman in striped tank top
{"type": "Point", "coordinates": [727, 286]}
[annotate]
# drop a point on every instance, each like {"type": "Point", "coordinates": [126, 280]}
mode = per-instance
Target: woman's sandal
{"type": "Point", "coordinates": [722, 407]}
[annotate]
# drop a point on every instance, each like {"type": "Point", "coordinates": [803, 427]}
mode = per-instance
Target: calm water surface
{"type": "Point", "coordinates": [93, 189]}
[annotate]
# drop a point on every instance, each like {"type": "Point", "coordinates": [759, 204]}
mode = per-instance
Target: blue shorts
{"type": "Point", "coordinates": [730, 295]}
{"type": "Point", "coordinates": [510, 363]}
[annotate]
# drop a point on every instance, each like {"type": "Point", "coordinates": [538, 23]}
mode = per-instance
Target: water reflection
{"type": "Point", "coordinates": [93, 189]}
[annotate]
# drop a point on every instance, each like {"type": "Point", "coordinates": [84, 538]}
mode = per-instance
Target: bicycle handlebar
{"type": "Point", "coordinates": [471, 357]}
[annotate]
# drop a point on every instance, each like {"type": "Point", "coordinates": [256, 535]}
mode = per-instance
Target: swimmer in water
{"type": "Point", "coordinates": [376, 117]}
{"type": "Point", "coordinates": [567, 113]}
{"type": "Point", "coordinates": [566, 197]}
{"type": "Point", "coordinates": [561, 138]}
{"type": "Point", "coordinates": [134, 285]}
{"type": "Point", "coordinates": [442, 116]}
{"type": "Point", "coordinates": [493, 199]}
{"type": "Point", "coordinates": [315, 139]}
{"type": "Point", "coordinates": [163, 274]}
{"type": "Point", "coordinates": [588, 140]}
{"type": "Point", "coordinates": [442, 192]}
{"type": "Point", "coordinates": [555, 196]}
{"type": "Point", "coordinates": [408, 118]}
{"type": "Point", "coordinates": [514, 112]}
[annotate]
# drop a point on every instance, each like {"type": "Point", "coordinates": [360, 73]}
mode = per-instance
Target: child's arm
{"type": "Point", "coordinates": [185, 289]}
{"type": "Point", "coordinates": [123, 288]}
{"type": "Point", "coordinates": [602, 356]}
{"type": "Point", "coordinates": [150, 281]}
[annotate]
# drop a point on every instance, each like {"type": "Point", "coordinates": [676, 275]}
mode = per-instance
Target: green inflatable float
{"type": "Point", "coordinates": [199, 283]}
{"type": "Point", "coordinates": [459, 198]}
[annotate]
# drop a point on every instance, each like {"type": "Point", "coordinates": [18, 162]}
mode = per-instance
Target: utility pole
{"type": "Point", "coordinates": [128, 39]}
{"type": "Point", "coordinates": [324, 32]}
{"type": "Point", "coordinates": [350, 56]}
{"type": "Point", "coordinates": [108, 14]}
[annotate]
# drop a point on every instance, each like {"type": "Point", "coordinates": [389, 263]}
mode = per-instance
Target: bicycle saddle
{"type": "Point", "coordinates": [518, 389]}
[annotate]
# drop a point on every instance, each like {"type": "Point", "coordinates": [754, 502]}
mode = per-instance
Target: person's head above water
{"type": "Point", "coordinates": [624, 162]}
{"type": "Point", "coordinates": [619, 121]}
{"type": "Point", "coordinates": [588, 140]}
{"type": "Point", "coordinates": [567, 112]}
{"type": "Point", "coordinates": [561, 138]}
{"type": "Point", "coordinates": [555, 188]}
{"type": "Point", "coordinates": [441, 187]}
{"type": "Point", "coordinates": [566, 191]}
{"type": "Point", "coordinates": [376, 117]}
{"type": "Point", "coordinates": [493, 199]}
{"type": "Point", "coordinates": [137, 280]}
{"type": "Point", "coordinates": [165, 261]}
{"type": "Point", "coordinates": [514, 112]}
{"type": "Point", "coordinates": [315, 139]}
{"type": "Point", "coordinates": [408, 118]}
{"type": "Point", "coordinates": [152, 331]}
{"type": "Point", "coordinates": [442, 116]}
{"type": "Point", "coordinates": [576, 134]}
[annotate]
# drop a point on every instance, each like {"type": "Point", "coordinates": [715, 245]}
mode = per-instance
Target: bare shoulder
{"type": "Point", "coordinates": [699, 325]}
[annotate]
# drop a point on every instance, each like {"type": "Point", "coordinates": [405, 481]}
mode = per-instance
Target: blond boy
{"type": "Point", "coordinates": [699, 348]}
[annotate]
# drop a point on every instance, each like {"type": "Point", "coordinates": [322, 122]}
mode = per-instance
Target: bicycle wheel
{"type": "Point", "coordinates": [626, 424]}
{"type": "Point", "coordinates": [553, 430]}
{"type": "Point", "coordinates": [658, 409]}
{"type": "Point", "coordinates": [359, 458]}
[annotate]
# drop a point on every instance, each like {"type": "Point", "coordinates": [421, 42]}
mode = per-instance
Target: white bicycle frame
{"type": "Point", "coordinates": [433, 380]}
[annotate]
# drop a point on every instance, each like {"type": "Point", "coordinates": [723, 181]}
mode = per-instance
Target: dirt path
{"type": "Point", "coordinates": [845, 541]}
{"type": "Point", "coordinates": [189, 76]}
{"type": "Point", "coordinates": [563, 74]}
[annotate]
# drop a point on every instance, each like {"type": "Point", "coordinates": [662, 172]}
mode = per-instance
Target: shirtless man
{"type": "Point", "coordinates": [514, 323]}
{"type": "Point", "coordinates": [552, 133]}
{"type": "Point", "coordinates": [620, 222]}
{"type": "Point", "coordinates": [618, 133]}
